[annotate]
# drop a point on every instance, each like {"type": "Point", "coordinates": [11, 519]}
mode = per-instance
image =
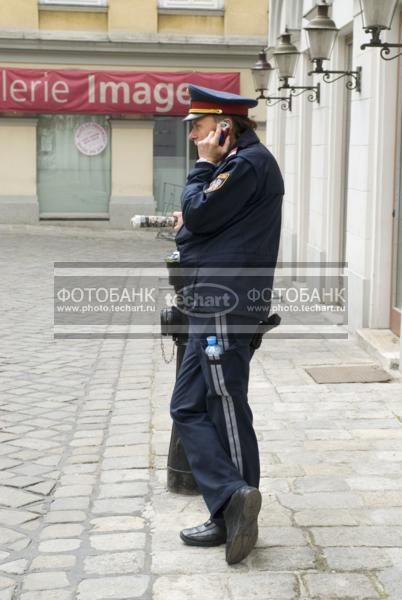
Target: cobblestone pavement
{"type": "Point", "coordinates": [84, 432]}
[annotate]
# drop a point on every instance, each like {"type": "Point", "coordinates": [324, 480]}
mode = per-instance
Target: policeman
{"type": "Point", "coordinates": [228, 238]}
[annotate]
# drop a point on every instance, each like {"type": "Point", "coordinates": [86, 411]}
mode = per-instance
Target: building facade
{"type": "Point", "coordinates": [92, 94]}
{"type": "Point", "coordinates": [341, 159]}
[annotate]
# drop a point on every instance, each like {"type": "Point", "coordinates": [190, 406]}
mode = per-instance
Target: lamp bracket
{"type": "Point", "coordinates": [355, 77]}
{"type": "Point", "coordinates": [314, 95]}
{"type": "Point", "coordinates": [385, 49]}
{"type": "Point", "coordinates": [315, 92]}
{"type": "Point", "coordinates": [376, 42]}
{"type": "Point", "coordinates": [284, 101]}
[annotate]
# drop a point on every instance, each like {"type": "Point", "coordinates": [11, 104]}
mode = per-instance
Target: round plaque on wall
{"type": "Point", "coordinates": [90, 138]}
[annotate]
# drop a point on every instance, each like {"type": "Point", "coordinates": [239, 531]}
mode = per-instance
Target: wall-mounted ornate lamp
{"type": "Point", "coordinates": [262, 72]}
{"type": "Point", "coordinates": [377, 15]}
{"type": "Point", "coordinates": [322, 33]}
{"type": "Point", "coordinates": [286, 56]}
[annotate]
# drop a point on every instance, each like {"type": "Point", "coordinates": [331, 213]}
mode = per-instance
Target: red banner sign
{"type": "Point", "coordinates": [104, 92]}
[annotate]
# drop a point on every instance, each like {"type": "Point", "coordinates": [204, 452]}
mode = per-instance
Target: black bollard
{"type": "Point", "coordinates": [174, 323]}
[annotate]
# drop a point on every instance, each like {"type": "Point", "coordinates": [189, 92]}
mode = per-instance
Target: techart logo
{"type": "Point", "coordinates": [206, 299]}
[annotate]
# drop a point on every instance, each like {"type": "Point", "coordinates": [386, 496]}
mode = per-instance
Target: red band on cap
{"type": "Point", "coordinates": [228, 109]}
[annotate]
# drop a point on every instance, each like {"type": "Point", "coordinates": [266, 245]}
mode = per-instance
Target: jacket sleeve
{"type": "Point", "coordinates": [209, 202]}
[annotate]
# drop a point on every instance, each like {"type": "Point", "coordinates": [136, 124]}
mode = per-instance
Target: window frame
{"type": "Point", "coordinates": [185, 6]}
{"type": "Point", "coordinates": [72, 4]}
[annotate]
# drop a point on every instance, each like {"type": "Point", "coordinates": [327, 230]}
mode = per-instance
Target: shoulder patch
{"type": "Point", "coordinates": [218, 182]}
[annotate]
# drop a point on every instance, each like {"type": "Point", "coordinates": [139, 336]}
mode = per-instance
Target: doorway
{"type": "Point", "coordinates": [74, 166]}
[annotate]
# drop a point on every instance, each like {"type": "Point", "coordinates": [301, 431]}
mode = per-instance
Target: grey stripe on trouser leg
{"type": "Point", "coordinates": [227, 400]}
{"type": "Point", "coordinates": [232, 413]}
{"type": "Point", "coordinates": [226, 412]}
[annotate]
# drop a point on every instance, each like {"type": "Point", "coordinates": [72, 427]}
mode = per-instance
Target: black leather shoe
{"type": "Point", "coordinates": [241, 516]}
{"type": "Point", "coordinates": [209, 534]}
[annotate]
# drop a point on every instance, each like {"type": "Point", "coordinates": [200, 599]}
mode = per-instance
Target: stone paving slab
{"type": "Point", "coordinates": [84, 434]}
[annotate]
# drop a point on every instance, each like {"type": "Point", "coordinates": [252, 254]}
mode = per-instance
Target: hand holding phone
{"type": "Point", "coordinates": [215, 146]}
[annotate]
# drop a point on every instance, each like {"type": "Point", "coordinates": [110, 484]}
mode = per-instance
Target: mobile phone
{"type": "Point", "coordinates": [224, 133]}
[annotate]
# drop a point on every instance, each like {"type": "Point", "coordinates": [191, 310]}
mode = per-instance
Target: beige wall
{"type": "Point", "coordinates": [187, 24]}
{"type": "Point", "coordinates": [18, 157]}
{"type": "Point", "coordinates": [19, 14]}
{"type": "Point", "coordinates": [246, 17]}
{"type": "Point", "coordinates": [137, 16]}
{"type": "Point", "coordinates": [259, 113]}
{"type": "Point", "coordinates": [73, 21]}
{"type": "Point", "coordinates": [132, 171]}
{"type": "Point", "coordinates": [132, 158]}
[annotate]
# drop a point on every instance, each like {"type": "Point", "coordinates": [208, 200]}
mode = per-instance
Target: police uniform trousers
{"type": "Point", "coordinates": [210, 409]}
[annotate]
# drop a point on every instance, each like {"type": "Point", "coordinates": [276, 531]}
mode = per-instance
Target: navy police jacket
{"type": "Point", "coordinates": [231, 229]}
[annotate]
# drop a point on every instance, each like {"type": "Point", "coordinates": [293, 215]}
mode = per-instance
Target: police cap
{"type": "Point", "coordinates": [207, 102]}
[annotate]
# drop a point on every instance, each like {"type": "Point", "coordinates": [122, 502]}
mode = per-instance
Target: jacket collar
{"type": "Point", "coordinates": [247, 138]}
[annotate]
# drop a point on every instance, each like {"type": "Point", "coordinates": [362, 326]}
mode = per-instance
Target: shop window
{"type": "Point", "coordinates": [190, 5]}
